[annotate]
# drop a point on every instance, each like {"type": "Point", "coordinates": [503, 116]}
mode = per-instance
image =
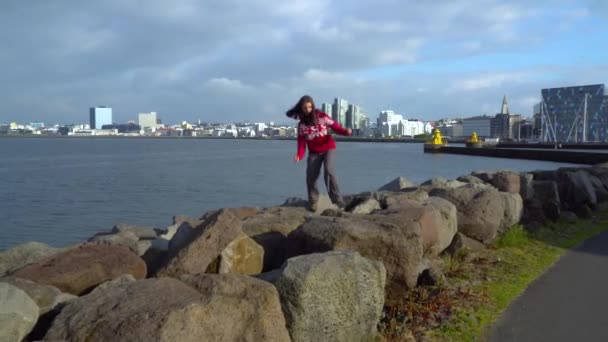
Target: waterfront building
{"type": "Point", "coordinates": [479, 124]}
{"type": "Point", "coordinates": [574, 114]}
{"type": "Point", "coordinates": [99, 116]}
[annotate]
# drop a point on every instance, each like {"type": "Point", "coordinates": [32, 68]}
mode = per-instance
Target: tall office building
{"type": "Point", "coordinates": [353, 117]}
{"type": "Point", "coordinates": [99, 116]}
{"type": "Point", "coordinates": [148, 120]}
{"type": "Point", "coordinates": [339, 109]}
{"type": "Point", "coordinates": [574, 114]}
{"type": "Point", "coordinates": [327, 109]}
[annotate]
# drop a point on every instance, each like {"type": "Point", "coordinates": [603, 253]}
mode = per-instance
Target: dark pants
{"type": "Point", "coordinates": [313, 169]}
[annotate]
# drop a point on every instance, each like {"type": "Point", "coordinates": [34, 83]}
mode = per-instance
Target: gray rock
{"type": "Point", "coordinates": [23, 255]}
{"type": "Point", "coordinates": [526, 188]}
{"type": "Point", "coordinates": [396, 185]}
{"type": "Point", "coordinates": [485, 176]}
{"type": "Point", "coordinates": [333, 296]}
{"type": "Point", "coordinates": [18, 313]}
{"type": "Point", "coordinates": [140, 231]}
{"type": "Point", "coordinates": [366, 207]}
{"type": "Point", "coordinates": [514, 207]}
{"type": "Point", "coordinates": [394, 201]}
{"type": "Point", "coordinates": [480, 212]}
{"type": "Point", "coordinates": [439, 233]}
{"type": "Point", "coordinates": [46, 297]}
{"type": "Point", "coordinates": [470, 179]}
{"type": "Point", "coordinates": [440, 182]}
{"type": "Point", "coordinates": [124, 279]}
{"type": "Point", "coordinates": [323, 203]}
{"type": "Point", "coordinates": [460, 242]}
{"type": "Point", "coordinates": [577, 190]}
{"type": "Point", "coordinates": [180, 235]}
{"type": "Point", "coordinates": [547, 198]}
{"type": "Point", "coordinates": [545, 175]}
{"type": "Point", "coordinates": [393, 239]}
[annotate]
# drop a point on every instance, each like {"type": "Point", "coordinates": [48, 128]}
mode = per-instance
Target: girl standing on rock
{"type": "Point", "coordinates": [313, 132]}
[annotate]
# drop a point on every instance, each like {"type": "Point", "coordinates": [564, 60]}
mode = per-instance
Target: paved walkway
{"type": "Point", "coordinates": [568, 303]}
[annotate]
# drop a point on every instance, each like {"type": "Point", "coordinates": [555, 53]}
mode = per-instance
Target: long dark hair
{"type": "Point", "coordinates": [297, 113]}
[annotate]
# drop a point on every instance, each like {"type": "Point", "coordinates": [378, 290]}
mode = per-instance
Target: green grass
{"type": "Point", "coordinates": [517, 259]}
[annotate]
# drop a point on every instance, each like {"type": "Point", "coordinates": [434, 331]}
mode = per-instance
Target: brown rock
{"type": "Point", "coordinates": [251, 305]}
{"type": "Point", "coordinates": [241, 213]}
{"type": "Point", "coordinates": [212, 237]}
{"type": "Point", "coordinates": [166, 309]}
{"type": "Point", "coordinates": [507, 182]}
{"type": "Point", "coordinates": [242, 256]}
{"type": "Point", "coordinates": [81, 268]}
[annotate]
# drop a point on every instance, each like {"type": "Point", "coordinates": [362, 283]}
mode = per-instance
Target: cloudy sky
{"type": "Point", "coordinates": [224, 60]}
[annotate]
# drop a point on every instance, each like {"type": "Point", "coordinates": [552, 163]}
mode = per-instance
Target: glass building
{"type": "Point", "coordinates": [574, 114]}
{"type": "Point", "coordinates": [100, 116]}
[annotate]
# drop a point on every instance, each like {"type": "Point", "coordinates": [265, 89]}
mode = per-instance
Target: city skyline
{"type": "Point", "coordinates": [430, 60]}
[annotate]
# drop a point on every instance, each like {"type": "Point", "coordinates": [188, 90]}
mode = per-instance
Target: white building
{"type": "Point", "coordinates": [410, 128]}
{"type": "Point", "coordinates": [148, 121]}
{"type": "Point", "coordinates": [388, 123]}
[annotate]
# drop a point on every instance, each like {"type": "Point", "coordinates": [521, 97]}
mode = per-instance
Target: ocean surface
{"type": "Point", "coordinates": [63, 190]}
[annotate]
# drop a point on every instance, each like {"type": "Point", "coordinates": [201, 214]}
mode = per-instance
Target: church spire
{"type": "Point", "coordinates": [505, 106]}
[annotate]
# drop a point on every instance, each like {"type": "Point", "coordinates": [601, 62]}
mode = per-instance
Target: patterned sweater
{"type": "Point", "coordinates": [317, 136]}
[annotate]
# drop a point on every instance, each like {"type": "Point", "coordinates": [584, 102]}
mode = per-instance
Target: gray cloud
{"type": "Point", "coordinates": [239, 60]}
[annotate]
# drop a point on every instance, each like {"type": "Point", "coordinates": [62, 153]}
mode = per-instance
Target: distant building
{"type": "Point", "coordinates": [353, 117]}
{"type": "Point", "coordinates": [479, 124]}
{"type": "Point", "coordinates": [123, 128]}
{"type": "Point", "coordinates": [37, 125]}
{"type": "Point", "coordinates": [148, 120]}
{"type": "Point", "coordinates": [99, 116]}
{"type": "Point", "coordinates": [339, 109]}
{"type": "Point", "coordinates": [502, 124]}
{"type": "Point", "coordinates": [451, 130]}
{"type": "Point", "coordinates": [574, 114]}
{"type": "Point", "coordinates": [327, 109]}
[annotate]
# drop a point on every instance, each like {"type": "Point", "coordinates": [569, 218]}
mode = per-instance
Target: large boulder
{"type": "Point", "coordinates": [270, 228]}
{"type": "Point", "coordinates": [242, 256]}
{"type": "Point", "coordinates": [46, 297]}
{"type": "Point", "coordinates": [166, 309]}
{"type": "Point", "coordinates": [18, 313]}
{"type": "Point", "coordinates": [211, 238]}
{"type": "Point", "coordinates": [394, 239]}
{"type": "Point", "coordinates": [333, 296]}
{"type": "Point", "coordinates": [480, 211]}
{"type": "Point", "coordinates": [23, 255]}
{"type": "Point", "coordinates": [506, 181]}
{"type": "Point", "coordinates": [122, 238]}
{"type": "Point", "coordinates": [81, 268]}
{"type": "Point", "coordinates": [461, 242]}
{"type": "Point", "coordinates": [513, 209]}
{"type": "Point", "coordinates": [247, 307]}
{"type": "Point", "coordinates": [576, 189]}
{"type": "Point", "coordinates": [396, 185]}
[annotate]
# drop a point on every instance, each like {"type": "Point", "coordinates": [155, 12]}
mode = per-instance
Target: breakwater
{"type": "Point", "coordinates": [289, 273]}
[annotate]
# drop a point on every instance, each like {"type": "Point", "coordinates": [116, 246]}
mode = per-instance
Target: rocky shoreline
{"type": "Point", "coordinates": [279, 273]}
